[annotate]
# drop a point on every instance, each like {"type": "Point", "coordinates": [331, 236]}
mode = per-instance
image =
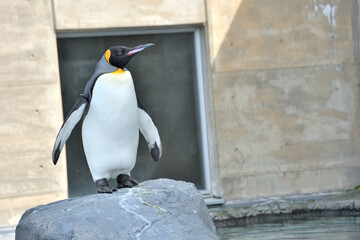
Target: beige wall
{"type": "Point", "coordinates": [284, 83]}
{"type": "Point", "coordinates": [31, 112]}
{"type": "Point", "coordinates": [30, 96]}
{"type": "Point", "coordinates": [286, 96]}
{"type": "Point", "coordinates": [90, 14]}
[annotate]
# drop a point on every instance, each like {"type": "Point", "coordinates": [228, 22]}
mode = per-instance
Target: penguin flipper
{"type": "Point", "coordinates": [150, 132]}
{"type": "Point", "coordinates": [71, 120]}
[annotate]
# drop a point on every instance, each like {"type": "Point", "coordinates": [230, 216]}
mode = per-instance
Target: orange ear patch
{"type": "Point", "coordinates": [107, 55]}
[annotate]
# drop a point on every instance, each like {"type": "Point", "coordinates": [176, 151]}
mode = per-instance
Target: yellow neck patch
{"type": "Point", "coordinates": [107, 55]}
{"type": "Point", "coordinates": [118, 71]}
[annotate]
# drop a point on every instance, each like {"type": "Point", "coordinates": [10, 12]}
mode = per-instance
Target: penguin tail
{"type": "Point", "coordinates": [70, 122]}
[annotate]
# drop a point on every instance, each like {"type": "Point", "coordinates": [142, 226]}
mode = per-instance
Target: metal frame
{"type": "Point", "coordinates": [199, 51]}
{"type": "Point", "coordinates": [124, 32]}
{"type": "Point", "coordinates": [202, 112]}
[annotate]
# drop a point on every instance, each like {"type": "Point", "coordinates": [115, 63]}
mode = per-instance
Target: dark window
{"type": "Point", "coordinates": [165, 82]}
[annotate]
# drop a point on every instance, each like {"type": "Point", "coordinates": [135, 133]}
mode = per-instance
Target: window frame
{"type": "Point", "coordinates": [203, 96]}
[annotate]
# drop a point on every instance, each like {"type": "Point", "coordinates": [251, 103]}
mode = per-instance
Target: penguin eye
{"type": "Point", "coordinates": [121, 52]}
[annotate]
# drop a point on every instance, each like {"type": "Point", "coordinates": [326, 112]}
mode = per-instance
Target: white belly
{"type": "Point", "coordinates": [110, 129]}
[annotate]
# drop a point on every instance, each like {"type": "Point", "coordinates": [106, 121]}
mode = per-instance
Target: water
{"type": "Point", "coordinates": [337, 228]}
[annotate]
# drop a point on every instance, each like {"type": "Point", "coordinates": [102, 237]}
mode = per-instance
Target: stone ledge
{"type": "Point", "coordinates": [274, 209]}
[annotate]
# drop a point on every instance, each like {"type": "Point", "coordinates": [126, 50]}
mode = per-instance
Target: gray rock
{"type": "Point", "coordinates": [156, 209]}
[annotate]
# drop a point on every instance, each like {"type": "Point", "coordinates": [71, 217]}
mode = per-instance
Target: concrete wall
{"type": "Point", "coordinates": [286, 95]}
{"type": "Point", "coordinates": [30, 95]}
{"type": "Point", "coordinates": [31, 112]}
{"type": "Point", "coordinates": [284, 80]}
{"type": "Point", "coordinates": [90, 14]}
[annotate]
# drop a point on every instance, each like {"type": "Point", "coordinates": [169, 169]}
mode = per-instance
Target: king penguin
{"type": "Point", "coordinates": [112, 117]}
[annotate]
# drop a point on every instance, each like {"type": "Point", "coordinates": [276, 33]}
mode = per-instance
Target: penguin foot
{"type": "Point", "coordinates": [103, 186]}
{"type": "Point", "coordinates": [124, 181]}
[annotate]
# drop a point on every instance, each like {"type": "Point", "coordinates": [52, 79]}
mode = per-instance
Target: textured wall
{"type": "Point", "coordinates": [92, 14]}
{"type": "Point", "coordinates": [30, 106]}
{"type": "Point", "coordinates": [30, 95]}
{"type": "Point", "coordinates": [285, 91]}
{"type": "Point", "coordinates": [286, 95]}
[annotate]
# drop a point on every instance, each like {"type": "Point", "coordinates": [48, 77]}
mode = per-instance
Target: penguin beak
{"type": "Point", "coordinates": [139, 48]}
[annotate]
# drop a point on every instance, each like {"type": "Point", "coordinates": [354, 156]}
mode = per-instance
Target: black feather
{"type": "Point", "coordinates": [155, 152]}
{"type": "Point", "coordinates": [56, 154]}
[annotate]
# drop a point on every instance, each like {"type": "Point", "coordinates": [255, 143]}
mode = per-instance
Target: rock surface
{"type": "Point", "coordinates": [156, 209]}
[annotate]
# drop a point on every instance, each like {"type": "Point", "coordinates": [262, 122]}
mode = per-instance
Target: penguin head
{"type": "Point", "coordinates": [119, 56]}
